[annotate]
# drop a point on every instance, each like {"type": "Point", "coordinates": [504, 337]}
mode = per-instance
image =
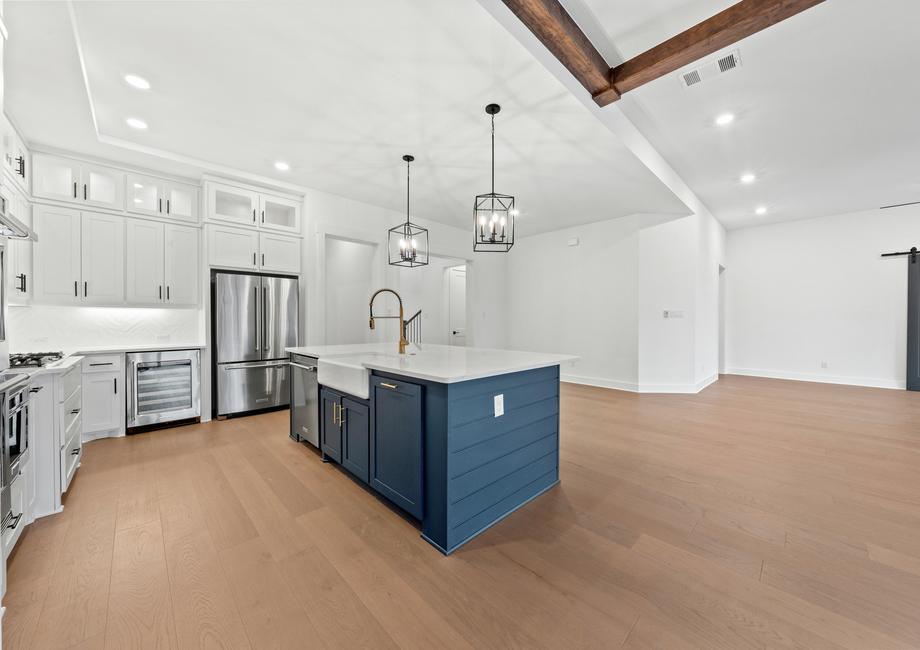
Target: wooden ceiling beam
{"type": "Point", "coordinates": [559, 33]}
{"type": "Point", "coordinates": [554, 27]}
{"type": "Point", "coordinates": [722, 30]}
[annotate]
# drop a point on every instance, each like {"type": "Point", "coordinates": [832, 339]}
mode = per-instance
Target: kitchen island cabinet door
{"type": "Point", "coordinates": [330, 432]}
{"type": "Point", "coordinates": [396, 443]}
{"type": "Point", "coordinates": [355, 442]}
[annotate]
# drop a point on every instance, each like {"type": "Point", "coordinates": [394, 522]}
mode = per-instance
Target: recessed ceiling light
{"type": "Point", "coordinates": [137, 82]}
{"type": "Point", "coordinates": [135, 123]}
{"type": "Point", "coordinates": [725, 119]}
{"type": "Point", "coordinates": [760, 211]}
{"type": "Point", "coordinates": [748, 178]}
{"type": "Point", "coordinates": [282, 166]}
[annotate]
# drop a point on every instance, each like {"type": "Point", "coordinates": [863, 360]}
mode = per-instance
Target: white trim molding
{"type": "Point", "coordinates": [869, 382]}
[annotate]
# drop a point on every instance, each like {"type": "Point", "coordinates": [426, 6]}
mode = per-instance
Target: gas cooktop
{"type": "Point", "coordinates": [34, 359]}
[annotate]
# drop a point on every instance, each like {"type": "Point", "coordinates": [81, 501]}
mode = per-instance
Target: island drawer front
{"type": "Point", "coordinates": [396, 443]}
{"type": "Point", "coordinates": [70, 381]}
{"type": "Point", "coordinates": [103, 363]}
{"type": "Point", "coordinates": [71, 410]}
{"type": "Point", "coordinates": [330, 431]}
{"type": "Point", "coordinates": [355, 438]}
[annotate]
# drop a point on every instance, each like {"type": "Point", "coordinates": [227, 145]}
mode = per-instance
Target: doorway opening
{"type": "Point", "coordinates": [722, 361]}
{"type": "Point", "coordinates": [439, 291]}
{"type": "Point", "coordinates": [349, 282]}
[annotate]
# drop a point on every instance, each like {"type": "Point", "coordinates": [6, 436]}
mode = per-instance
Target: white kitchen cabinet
{"type": "Point", "coordinates": [232, 247]}
{"type": "Point", "coordinates": [236, 204]}
{"type": "Point", "coordinates": [103, 403]}
{"type": "Point", "coordinates": [145, 260]}
{"type": "Point", "coordinates": [79, 257]}
{"type": "Point", "coordinates": [54, 177]}
{"type": "Point", "coordinates": [15, 156]}
{"type": "Point", "coordinates": [64, 179]}
{"type": "Point", "coordinates": [13, 530]}
{"type": "Point", "coordinates": [181, 265]}
{"type": "Point", "coordinates": [57, 255]}
{"type": "Point", "coordinates": [248, 250]}
{"type": "Point", "coordinates": [279, 253]}
{"type": "Point", "coordinates": [103, 259]}
{"type": "Point", "coordinates": [162, 263]}
{"type": "Point", "coordinates": [279, 213]}
{"type": "Point", "coordinates": [251, 207]}
{"type": "Point", "coordinates": [18, 251]}
{"type": "Point", "coordinates": [162, 198]}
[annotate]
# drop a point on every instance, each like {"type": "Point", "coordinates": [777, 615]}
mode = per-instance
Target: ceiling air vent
{"type": "Point", "coordinates": [711, 69]}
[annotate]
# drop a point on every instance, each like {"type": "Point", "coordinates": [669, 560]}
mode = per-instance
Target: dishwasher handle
{"type": "Point", "coordinates": [302, 367]}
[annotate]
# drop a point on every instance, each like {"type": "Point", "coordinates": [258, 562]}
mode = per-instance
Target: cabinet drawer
{"type": "Point", "coordinates": [12, 528]}
{"type": "Point", "coordinates": [70, 382]}
{"type": "Point", "coordinates": [70, 459]}
{"type": "Point", "coordinates": [103, 363]}
{"type": "Point", "coordinates": [71, 411]}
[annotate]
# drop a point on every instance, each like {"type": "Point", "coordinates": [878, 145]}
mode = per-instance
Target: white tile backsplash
{"type": "Point", "coordinates": [38, 328]}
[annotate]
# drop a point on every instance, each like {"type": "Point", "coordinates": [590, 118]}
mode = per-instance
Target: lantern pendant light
{"type": "Point", "coordinates": [493, 213]}
{"type": "Point", "coordinates": [407, 243]}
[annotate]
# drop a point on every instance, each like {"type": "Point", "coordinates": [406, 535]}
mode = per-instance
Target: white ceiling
{"type": "Point", "coordinates": [340, 90]}
{"type": "Point", "coordinates": [826, 105]}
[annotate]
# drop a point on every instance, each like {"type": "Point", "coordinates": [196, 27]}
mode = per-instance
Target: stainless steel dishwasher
{"type": "Point", "coordinates": [163, 387]}
{"type": "Point", "coordinates": [304, 400]}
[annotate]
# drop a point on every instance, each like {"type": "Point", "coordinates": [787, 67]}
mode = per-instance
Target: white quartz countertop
{"type": "Point", "coordinates": [61, 366]}
{"type": "Point", "coordinates": [117, 349]}
{"type": "Point", "coordinates": [438, 363]}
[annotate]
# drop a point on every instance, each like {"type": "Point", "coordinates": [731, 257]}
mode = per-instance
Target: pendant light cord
{"type": "Point", "coordinates": [407, 197]}
{"type": "Point", "coordinates": [493, 153]}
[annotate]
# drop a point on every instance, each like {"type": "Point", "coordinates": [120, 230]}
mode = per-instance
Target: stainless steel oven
{"type": "Point", "coordinates": [163, 387]}
{"type": "Point", "coordinates": [14, 421]}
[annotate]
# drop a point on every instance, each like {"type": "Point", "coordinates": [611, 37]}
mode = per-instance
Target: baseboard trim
{"type": "Point", "coordinates": [600, 382]}
{"type": "Point", "coordinates": [868, 382]}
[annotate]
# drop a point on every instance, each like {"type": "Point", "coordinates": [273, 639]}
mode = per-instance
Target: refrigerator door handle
{"type": "Point", "coordinates": [256, 312]}
{"type": "Point", "coordinates": [264, 319]}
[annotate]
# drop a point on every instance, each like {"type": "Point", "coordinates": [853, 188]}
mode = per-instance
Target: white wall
{"type": "Point", "coordinates": [426, 288]}
{"type": "Point", "coordinates": [806, 292]}
{"type": "Point", "coordinates": [579, 300]}
{"type": "Point", "coordinates": [604, 301]}
{"type": "Point", "coordinates": [329, 216]}
{"type": "Point", "coordinates": [349, 268]}
{"type": "Point", "coordinates": [46, 328]}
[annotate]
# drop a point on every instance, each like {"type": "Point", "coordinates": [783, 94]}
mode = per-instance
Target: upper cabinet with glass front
{"type": "Point", "coordinates": [161, 198]}
{"type": "Point", "coordinates": [250, 207]}
{"type": "Point", "coordinates": [75, 181]}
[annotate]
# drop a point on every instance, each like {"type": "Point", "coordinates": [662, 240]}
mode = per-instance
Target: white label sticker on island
{"type": "Point", "coordinates": [499, 405]}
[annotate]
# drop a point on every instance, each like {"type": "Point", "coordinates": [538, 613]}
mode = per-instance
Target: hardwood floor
{"type": "Point", "coordinates": [759, 513]}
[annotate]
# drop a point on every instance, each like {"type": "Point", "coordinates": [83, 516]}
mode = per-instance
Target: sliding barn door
{"type": "Point", "coordinates": [913, 324]}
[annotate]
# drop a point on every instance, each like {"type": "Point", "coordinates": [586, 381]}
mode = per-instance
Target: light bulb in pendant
{"type": "Point", "coordinates": [494, 217]}
{"type": "Point", "coordinates": [414, 243]}
{"type": "Point", "coordinates": [504, 222]}
{"type": "Point", "coordinates": [402, 244]}
{"type": "Point", "coordinates": [482, 220]}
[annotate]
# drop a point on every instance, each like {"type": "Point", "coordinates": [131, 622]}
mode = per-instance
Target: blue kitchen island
{"type": "Point", "coordinates": [459, 438]}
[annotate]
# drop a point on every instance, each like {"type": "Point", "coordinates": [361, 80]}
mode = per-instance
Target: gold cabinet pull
{"type": "Point", "coordinates": [393, 386]}
{"type": "Point", "coordinates": [335, 411]}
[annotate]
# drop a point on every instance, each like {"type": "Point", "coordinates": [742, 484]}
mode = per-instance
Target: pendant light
{"type": "Point", "coordinates": [493, 214]}
{"type": "Point", "coordinates": [407, 243]}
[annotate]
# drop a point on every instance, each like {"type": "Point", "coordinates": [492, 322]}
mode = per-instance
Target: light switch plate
{"type": "Point", "coordinates": [499, 405]}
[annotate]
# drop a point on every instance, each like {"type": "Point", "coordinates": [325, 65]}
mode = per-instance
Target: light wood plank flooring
{"type": "Point", "coordinates": [757, 514]}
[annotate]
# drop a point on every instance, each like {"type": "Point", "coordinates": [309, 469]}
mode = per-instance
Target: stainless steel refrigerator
{"type": "Point", "coordinates": [255, 318]}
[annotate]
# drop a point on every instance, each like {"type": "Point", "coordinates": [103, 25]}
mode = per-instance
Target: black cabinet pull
{"type": "Point", "coordinates": [12, 525]}
{"type": "Point", "coordinates": [74, 452]}
{"type": "Point", "coordinates": [263, 216]}
{"type": "Point", "coordinates": [85, 285]}
{"type": "Point", "coordinates": [253, 215]}
{"type": "Point", "coordinates": [115, 380]}
{"type": "Point", "coordinates": [161, 292]}
{"type": "Point", "coordinates": [167, 206]}
{"type": "Point", "coordinates": [160, 204]}
{"type": "Point", "coordinates": [74, 411]}
{"type": "Point", "coordinates": [84, 191]}
{"type": "Point", "coordinates": [263, 259]}
{"type": "Point", "coordinates": [75, 189]}
{"type": "Point", "coordinates": [75, 288]}
{"type": "Point", "coordinates": [167, 292]}
{"type": "Point", "coordinates": [107, 363]}
{"type": "Point", "coordinates": [253, 259]}
{"type": "Point", "coordinates": [21, 160]}
{"type": "Point", "coordinates": [35, 389]}
{"type": "Point", "coordinates": [22, 282]}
